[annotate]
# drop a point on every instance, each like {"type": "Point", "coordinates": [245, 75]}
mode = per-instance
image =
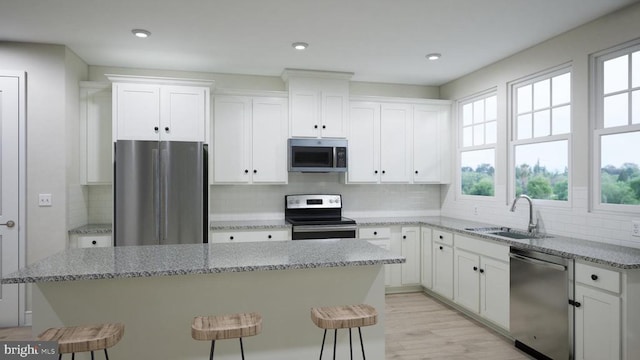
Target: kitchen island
{"type": "Point", "coordinates": [157, 290]}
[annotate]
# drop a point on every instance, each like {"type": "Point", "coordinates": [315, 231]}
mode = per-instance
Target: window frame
{"type": "Point", "coordinates": [482, 95]}
{"type": "Point", "coordinates": [513, 142]}
{"type": "Point", "coordinates": [597, 129]}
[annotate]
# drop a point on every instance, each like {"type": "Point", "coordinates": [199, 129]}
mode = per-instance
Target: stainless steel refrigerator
{"type": "Point", "coordinates": [160, 192]}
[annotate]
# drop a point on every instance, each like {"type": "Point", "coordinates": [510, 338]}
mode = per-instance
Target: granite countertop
{"type": "Point", "coordinates": [92, 229]}
{"type": "Point", "coordinates": [606, 254]}
{"type": "Point", "coordinates": [165, 260]}
{"type": "Point", "coordinates": [249, 225]}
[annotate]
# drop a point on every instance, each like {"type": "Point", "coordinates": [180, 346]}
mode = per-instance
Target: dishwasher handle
{"type": "Point", "coordinates": [538, 262]}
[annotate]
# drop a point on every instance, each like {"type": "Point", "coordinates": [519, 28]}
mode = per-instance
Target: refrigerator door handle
{"type": "Point", "coordinates": [156, 191]}
{"type": "Point", "coordinates": [164, 192]}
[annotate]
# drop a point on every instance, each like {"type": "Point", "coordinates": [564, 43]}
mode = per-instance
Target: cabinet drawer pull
{"type": "Point", "coordinates": [440, 247]}
{"type": "Point", "coordinates": [440, 237]}
{"type": "Point", "coordinates": [375, 233]}
{"type": "Point", "coordinates": [594, 277]}
{"type": "Point", "coordinates": [268, 236]}
{"type": "Point", "coordinates": [93, 242]}
{"type": "Point", "coordinates": [230, 237]}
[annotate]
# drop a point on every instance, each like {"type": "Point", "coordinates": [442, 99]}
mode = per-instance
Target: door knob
{"type": "Point", "coordinates": [9, 224]}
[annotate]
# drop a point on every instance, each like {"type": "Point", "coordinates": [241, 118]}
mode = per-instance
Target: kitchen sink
{"type": "Point", "coordinates": [505, 232]}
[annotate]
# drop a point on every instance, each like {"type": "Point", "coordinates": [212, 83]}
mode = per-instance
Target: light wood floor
{"type": "Point", "coordinates": [417, 328]}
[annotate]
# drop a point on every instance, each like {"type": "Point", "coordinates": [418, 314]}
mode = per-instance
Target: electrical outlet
{"type": "Point", "coordinates": [635, 228]}
{"type": "Point", "coordinates": [44, 200]}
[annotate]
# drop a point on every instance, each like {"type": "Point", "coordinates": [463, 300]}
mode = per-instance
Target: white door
{"type": "Point", "coordinates": [269, 134]}
{"type": "Point", "coordinates": [183, 113]}
{"type": "Point", "coordinates": [9, 198]}
{"type": "Point", "coordinates": [395, 143]}
{"type": "Point", "coordinates": [411, 250]}
{"type": "Point", "coordinates": [231, 140]}
{"type": "Point", "coordinates": [364, 143]}
{"type": "Point", "coordinates": [467, 279]}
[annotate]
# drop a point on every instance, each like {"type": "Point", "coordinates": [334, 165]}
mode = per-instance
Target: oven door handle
{"type": "Point", "coordinates": [320, 228]}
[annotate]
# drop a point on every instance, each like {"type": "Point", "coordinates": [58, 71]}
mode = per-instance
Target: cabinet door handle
{"type": "Point", "coordinates": [166, 129]}
{"type": "Point", "coordinates": [255, 171]}
{"type": "Point", "coordinates": [577, 304]}
{"type": "Point", "coordinates": [246, 171]}
{"type": "Point", "coordinates": [475, 268]}
{"type": "Point", "coordinates": [594, 277]}
{"type": "Point", "coordinates": [481, 271]}
{"type": "Point", "coordinates": [416, 171]}
{"type": "Point", "coordinates": [156, 128]}
{"type": "Point", "coordinates": [404, 236]}
{"type": "Point", "coordinates": [375, 172]}
{"type": "Point", "coordinates": [384, 172]}
{"type": "Point", "coordinates": [315, 126]}
{"type": "Point", "coordinates": [440, 237]}
{"type": "Point", "coordinates": [324, 126]}
{"type": "Point", "coordinates": [440, 247]}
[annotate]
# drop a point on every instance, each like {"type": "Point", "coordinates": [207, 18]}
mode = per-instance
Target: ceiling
{"type": "Point", "coordinates": [379, 40]}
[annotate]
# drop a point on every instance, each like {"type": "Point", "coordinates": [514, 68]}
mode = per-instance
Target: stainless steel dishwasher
{"type": "Point", "coordinates": [541, 319]}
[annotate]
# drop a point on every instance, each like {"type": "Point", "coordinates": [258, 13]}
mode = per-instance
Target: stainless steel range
{"type": "Point", "coordinates": [317, 217]}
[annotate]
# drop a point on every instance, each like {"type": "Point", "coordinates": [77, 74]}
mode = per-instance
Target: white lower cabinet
{"type": "Point", "coordinates": [443, 263]}
{"type": "Point", "coordinates": [481, 278]}
{"type": "Point", "coordinates": [427, 258]}
{"type": "Point", "coordinates": [598, 316]}
{"type": "Point", "coordinates": [404, 241]}
{"type": "Point", "coordinates": [249, 236]}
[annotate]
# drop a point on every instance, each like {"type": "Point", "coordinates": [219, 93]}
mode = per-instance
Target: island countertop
{"type": "Point", "coordinates": [166, 260]}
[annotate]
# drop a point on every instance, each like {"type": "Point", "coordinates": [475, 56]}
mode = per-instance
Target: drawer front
{"type": "Point", "coordinates": [250, 236]}
{"type": "Point", "coordinates": [374, 233]}
{"type": "Point", "coordinates": [443, 237]}
{"type": "Point", "coordinates": [605, 279]}
{"type": "Point", "coordinates": [94, 241]}
{"type": "Point", "coordinates": [483, 247]}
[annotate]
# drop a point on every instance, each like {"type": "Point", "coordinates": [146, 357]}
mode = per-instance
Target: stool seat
{"type": "Point", "coordinates": [222, 327]}
{"type": "Point", "coordinates": [84, 338]}
{"type": "Point", "coordinates": [342, 317]}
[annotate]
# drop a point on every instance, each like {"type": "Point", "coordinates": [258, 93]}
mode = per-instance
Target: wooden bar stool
{"type": "Point", "coordinates": [343, 317]}
{"type": "Point", "coordinates": [223, 327]}
{"type": "Point", "coordinates": [84, 338]}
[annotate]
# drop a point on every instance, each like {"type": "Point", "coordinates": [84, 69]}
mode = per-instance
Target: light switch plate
{"type": "Point", "coordinates": [635, 228]}
{"type": "Point", "coordinates": [44, 200]}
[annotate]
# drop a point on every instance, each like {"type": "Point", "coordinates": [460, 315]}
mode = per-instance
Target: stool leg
{"type": "Point", "coordinates": [321, 348]}
{"type": "Point", "coordinates": [92, 358]}
{"type": "Point", "coordinates": [335, 338]}
{"type": "Point", "coordinates": [213, 346]}
{"type": "Point", "coordinates": [73, 356]}
{"type": "Point", "coordinates": [350, 347]}
{"type": "Point", "coordinates": [60, 356]}
{"type": "Point", "coordinates": [106, 355]}
{"type": "Point", "coordinates": [361, 344]}
{"type": "Point", "coordinates": [241, 349]}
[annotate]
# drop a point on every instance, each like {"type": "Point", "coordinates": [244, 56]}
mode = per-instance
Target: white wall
{"type": "Point", "coordinates": [48, 99]}
{"type": "Point", "coordinates": [572, 47]}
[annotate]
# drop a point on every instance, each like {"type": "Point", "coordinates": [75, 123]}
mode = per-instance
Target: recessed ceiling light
{"type": "Point", "coordinates": [434, 56]}
{"type": "Point", "coordinates": [300, 45]}
{"type": "Point", "coordinates": [141, 33]}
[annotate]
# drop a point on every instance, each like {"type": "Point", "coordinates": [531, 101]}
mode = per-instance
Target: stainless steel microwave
{"type": "Point", "coordinates": [317, 155]}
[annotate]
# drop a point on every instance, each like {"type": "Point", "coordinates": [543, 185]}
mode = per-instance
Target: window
{"type": "Point", "coordinates": [478, 119]}
{"type": "Point", "coordinates": [541, 128]}
{"type": "Point", "coordinates": [617, 128]}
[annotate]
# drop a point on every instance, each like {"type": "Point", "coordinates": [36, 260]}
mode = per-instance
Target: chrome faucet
{"type": "Point", "coordinates": [533, 227]}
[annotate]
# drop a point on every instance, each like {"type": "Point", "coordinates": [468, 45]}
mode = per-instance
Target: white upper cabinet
{"type": "Point", "coordinates": [318, 103]}
{"type": "Point", "coordinates": [399, 142]}
{"type": "Point", "coordinates": [96, 165]}
{"type": "Point", "coordinates": [160, 109]}
{"type": "Point", "coordinates": [431, 143]}
{"type": "Point", "coordinates": [250, 140]}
